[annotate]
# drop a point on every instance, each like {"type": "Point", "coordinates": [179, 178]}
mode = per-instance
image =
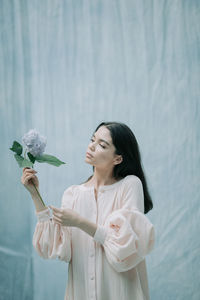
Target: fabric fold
{"type": "Point", "coordinates": [127, 237]}
{"type": "Point", "coordinates": [51, 240]}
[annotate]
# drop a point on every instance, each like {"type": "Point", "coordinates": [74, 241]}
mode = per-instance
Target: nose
{"type": "Point", "coordinates": [91, 147]}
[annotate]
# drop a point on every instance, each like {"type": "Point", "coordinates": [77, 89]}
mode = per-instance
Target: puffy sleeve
{"type": "Point", "coordinates": [127, 234]}
{"type": "Point", "coordinates": [51, 240]}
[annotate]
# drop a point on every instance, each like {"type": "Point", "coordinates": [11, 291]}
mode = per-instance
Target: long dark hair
{"type": "Point", "coordinates": [126, 145]}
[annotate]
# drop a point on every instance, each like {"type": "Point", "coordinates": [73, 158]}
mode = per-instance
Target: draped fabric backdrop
{"type": "Point", "coordinates": [66, 66]}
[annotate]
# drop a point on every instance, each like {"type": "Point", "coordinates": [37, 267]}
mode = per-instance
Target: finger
{"type": "Point", "coordinates": [26, 168]}
{"type": "Point", "coordinates": [30, 171]}
{"type": "Point", "coordinates": [56, 220]}
{"type": "Point", "coordinates": [28, 177]}
{"type": "Point", "coordinates": [26, 180]}
{"type": "Point", "coordinates": [55, 209]}
{"type": "Point", "coordinates": [58, 215]}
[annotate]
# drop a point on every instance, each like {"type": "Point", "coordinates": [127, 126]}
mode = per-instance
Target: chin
{"type": "Point", "coordinates": [87, 162]}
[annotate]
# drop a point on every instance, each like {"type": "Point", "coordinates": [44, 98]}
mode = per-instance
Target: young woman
{"type": "Point", "coordinates": [101, 229]}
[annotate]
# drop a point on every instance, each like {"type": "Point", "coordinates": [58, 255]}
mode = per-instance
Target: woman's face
{"type": "Point", "coordinates": [102, 149]}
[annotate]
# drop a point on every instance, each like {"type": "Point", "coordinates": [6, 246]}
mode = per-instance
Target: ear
{"type": "Point", "coordinates": [118, 160]}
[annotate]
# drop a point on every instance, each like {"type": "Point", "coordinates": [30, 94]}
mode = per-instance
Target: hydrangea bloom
{"type": "Point", "coordinates": [35, 143]}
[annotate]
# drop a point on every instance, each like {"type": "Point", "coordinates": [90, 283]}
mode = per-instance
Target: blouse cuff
{"type": "Point", "coordinates": [100, 234]}
{"type": "Point", "coordinates": [43, 215]}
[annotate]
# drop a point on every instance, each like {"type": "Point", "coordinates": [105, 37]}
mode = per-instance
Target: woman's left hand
{"type": "Point", "coordinates": [65, 216]}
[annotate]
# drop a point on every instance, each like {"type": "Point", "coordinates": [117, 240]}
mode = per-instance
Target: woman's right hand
{"type": "Point", "coordinates": [28, 178]}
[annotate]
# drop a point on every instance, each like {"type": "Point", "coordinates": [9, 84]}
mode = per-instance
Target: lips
{"type": "Point", "coordinates": [89, 154]}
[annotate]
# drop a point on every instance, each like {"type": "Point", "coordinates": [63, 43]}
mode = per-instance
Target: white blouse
{"type": "Point", "coordinates": [111, 265]}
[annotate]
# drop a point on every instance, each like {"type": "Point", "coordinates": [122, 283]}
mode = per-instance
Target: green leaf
{"type": "Point", "coordinates": [27, 163]}
{"type": "Point", "coordinates": [23, 162]}
{"type": "Point", "coordinates": [19, 159]}
{"type": "Point", "coordinates": [31, 157]}
{"type": "Point", "coordinates": [50, 159]}
{"type": "Point", "coordinates": [17, 148]}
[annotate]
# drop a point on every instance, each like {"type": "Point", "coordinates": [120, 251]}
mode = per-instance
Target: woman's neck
{"type": "Point", "coordinates": [102, 177]}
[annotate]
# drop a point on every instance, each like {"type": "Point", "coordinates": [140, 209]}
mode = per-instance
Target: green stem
{"type": "Point", "coordinates": [25, 153]}
{"type": "Point", "coordinates": [34, 183]}
{"type": "Point", "coordinates": [38, 194]}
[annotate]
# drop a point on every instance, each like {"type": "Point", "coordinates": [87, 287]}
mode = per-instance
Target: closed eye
{"type": "Point", "coordinates": [99, 144]}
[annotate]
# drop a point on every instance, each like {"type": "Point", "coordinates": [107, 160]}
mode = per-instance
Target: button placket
{"type": "Point", "coordinates": [92, 291]}
{"type": "Point", "coordinates": [91, 258]}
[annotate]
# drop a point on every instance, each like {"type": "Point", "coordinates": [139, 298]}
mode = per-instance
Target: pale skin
{"type": "Point", "coordinates": [103, 159]}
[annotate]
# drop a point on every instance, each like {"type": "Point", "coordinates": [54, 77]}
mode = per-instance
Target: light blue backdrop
{"type": "Point", "coordinates": [65, 66]}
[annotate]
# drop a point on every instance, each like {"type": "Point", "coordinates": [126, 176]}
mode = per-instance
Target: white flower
{"type": "Point", "coordinates": [35, 143]}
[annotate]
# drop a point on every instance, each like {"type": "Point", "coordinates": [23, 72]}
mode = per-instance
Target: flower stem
{"type": "Point", "coordinates": [25, 153]}
{"type": "Point", "coordinates": [34, 184]}
{"type": "Point", "coordinates": [38, 194]}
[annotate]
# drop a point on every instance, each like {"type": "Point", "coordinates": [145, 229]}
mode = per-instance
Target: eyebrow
{"type": "Point", "coordinates": [102, 140]}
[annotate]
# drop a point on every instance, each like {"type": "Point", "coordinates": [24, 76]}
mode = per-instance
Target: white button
{"type": "Point", "coordinates": [92, 254]}
{"type": "Point", "coordinates": [92, 278]}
